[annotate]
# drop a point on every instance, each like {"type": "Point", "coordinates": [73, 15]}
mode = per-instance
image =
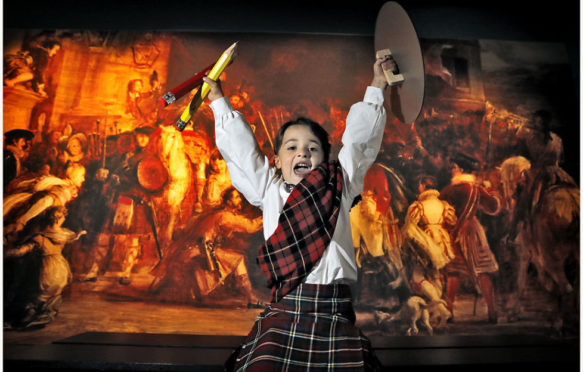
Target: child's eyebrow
{"type": "Point", "coordinates": [316, 141]}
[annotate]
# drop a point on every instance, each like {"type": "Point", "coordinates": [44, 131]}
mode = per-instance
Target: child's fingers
{"type": "Point", "coordinates": [390, 65]}
{"type": "Point", "coordinates": [214, 85]}
{"type": "Point", "coordinates": [381, 60]}
{"type": "Point", "coordinates": [210, 81]}
{"type": "Point", "coordinates": [215, 88]}
{"type": "Point", "coordinates": [377, 65]}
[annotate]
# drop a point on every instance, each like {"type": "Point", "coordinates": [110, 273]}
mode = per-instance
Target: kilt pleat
{"type": "Point", "coordinates": [310, 329]}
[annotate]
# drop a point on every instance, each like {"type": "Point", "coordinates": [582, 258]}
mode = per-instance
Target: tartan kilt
{"type": "Point", "coordinates": [312, 328]}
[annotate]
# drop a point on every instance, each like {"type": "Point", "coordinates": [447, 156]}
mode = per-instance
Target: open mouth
{"type": "Point", "coordinates": [302, 169]}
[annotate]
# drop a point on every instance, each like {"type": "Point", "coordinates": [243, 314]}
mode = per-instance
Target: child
{"type": "Point", "coordinates": [308, 257]}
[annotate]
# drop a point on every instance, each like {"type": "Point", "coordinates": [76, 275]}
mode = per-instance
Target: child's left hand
{"type": "Point", "coordinates": [379, 80]}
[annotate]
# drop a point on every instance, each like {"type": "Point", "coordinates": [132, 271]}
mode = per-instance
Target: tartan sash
{"type": "Point", "coordinates": [306, 225]}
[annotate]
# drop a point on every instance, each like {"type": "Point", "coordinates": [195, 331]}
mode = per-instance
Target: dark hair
{"type": "Point", "coordinates": [316, 128]}
{"type": "Point", "coordinates": [51, 215]}
{"type": "Point", "coordinates": [545, 115]}
{"type": "Point", "coordinates": [466, 162]}
{"type": "Point", "coordinates": [546, 118]}
{"type": "Point", "coordinates": [216, 155]}
{"type": "Point", "coordinates": [427, 181]}
{"type": "Point", "coordinates": [49, 44]}
{"type": "Point", "coordinates": [228, 194]}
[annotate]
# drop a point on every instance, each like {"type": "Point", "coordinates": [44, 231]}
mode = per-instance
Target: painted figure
{"type": "Point", "coordinates": [141, 104]}
{"type": "Point", "coordinates": [196, 145]}
{"type": "Point", "coordinates": [377, 242]}
{"type": "Point", "coordinates": [129, 221]}
{"type": "Point", "coordinates": [429, 247]}
{"type": "Point", "coordinates": [473, 256]}
{"type": "Point", "coordinates": [16, 150]}
{"type": "Point", "coordinates": [545, 210]}
{"type": "Point", "coordinates": [42, 304]}
{"type": "Point", "coordinates": [218, 180]}
{"type": "Point", "coordinates": [18, 69]}
{"type": "Point", "coordinates": [41, 53]}
{"type": "Point", "coordinates": [76, 147]}
{"type": "Point", "coordinates": [168, 145]}
{"type": "Point", "coordinates": [210, 255]}
{"type": "Point", "coordinates": [32, 197]}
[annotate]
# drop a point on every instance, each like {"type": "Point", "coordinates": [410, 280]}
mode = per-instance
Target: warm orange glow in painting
{"type": "Point", "coordinates": [468, 224]}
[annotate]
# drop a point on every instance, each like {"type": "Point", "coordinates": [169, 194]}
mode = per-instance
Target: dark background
{"type": "Point", "coordinates": [554, 21]}
{"type": "Point", "coordinates": [491, 19]}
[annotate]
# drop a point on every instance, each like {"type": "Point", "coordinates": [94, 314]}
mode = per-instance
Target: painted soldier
{"type": "Point", "coordinates": [129, 220]}
{"type": "Point", "coordinates": [473, 255]}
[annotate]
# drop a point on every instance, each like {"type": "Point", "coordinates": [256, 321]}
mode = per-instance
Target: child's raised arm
{"type": "Point", "coordinates": [248, 166]}
{"type": "Point", "coordinates": [365, 125]}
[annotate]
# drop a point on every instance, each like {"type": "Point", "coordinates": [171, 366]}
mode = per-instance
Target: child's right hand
{"type": "Point", "coordinates": [216, 91]}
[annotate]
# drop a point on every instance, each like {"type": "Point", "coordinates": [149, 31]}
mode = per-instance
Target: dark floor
{"type": "Point", "coordinates": [103, 330]}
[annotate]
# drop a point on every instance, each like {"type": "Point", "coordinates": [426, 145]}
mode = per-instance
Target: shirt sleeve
{"type": "Point", "coordinates": [248, 166]}
{"type": "Point", "coordinates": [362, 138]}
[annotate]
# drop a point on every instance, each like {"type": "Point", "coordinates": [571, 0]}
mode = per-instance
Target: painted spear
{"type": "Point", "coordinates": [266, 131]}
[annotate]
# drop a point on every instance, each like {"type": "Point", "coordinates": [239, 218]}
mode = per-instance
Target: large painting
{"type": "Point", "coordinates": [116, 221]}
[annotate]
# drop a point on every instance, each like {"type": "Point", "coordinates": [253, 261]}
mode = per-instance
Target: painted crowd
{"type": "Point", "coordinates": [151, 211]}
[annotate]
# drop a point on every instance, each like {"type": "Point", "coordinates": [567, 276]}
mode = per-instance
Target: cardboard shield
{"type": "Point", "coordinates": [394, 31]}
{"type": "Point", "coordinates": [152, 175]}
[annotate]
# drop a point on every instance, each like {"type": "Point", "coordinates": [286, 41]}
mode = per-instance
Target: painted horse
{"type": "Point", "coordinates": [544, 209]}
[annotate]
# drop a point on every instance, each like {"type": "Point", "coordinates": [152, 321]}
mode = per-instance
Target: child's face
{"type": "Point", "coordinates": [299, 154]}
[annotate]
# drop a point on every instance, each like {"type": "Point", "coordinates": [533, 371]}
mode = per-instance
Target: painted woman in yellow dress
{"type": "Point", "coordinates": [427, 241]}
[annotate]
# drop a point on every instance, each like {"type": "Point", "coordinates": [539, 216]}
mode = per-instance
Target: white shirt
{"type": "Point", "coordinates": [252, 175]}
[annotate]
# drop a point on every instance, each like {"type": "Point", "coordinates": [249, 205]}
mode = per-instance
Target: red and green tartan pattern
{"type": "Point", "coordinates": [305, 229]}
{"type": "Point", "coordinates": [310, 329]}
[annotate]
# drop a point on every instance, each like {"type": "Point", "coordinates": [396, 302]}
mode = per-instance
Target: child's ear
{"type": "Point", "coordinates": [277, 162]}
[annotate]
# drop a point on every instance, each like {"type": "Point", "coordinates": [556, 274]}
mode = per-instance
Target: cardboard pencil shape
{"type": "Point", "coordinates": [181, 90]}
{"type": "Point", "coordinates": [227, 57]}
